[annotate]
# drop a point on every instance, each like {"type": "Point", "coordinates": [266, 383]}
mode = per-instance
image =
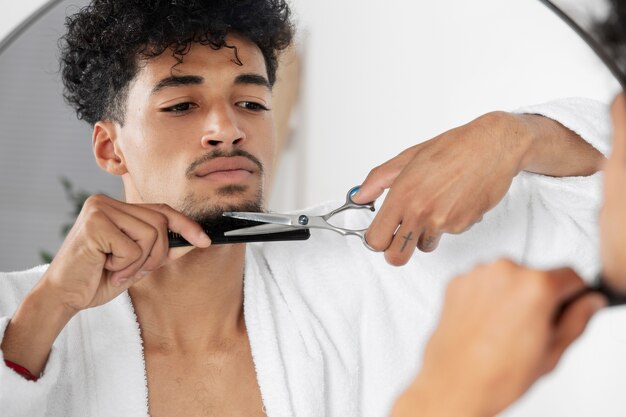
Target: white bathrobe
{"type": "Point", "coordinates": [334, 330]}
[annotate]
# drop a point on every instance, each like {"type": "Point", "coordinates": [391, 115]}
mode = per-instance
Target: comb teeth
{"type": "Point", "coordinates": [173, 235]}
{"type": "Point", "coordinates": [176, 239]}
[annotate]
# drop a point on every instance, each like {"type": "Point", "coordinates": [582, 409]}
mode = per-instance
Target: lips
{"type": "Point", "coordinates": [226, 165]}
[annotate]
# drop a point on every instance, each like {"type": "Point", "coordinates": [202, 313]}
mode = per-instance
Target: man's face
{"type": "Point", "coordinates": [613, 218]}
{"type": "Point", "coordinates": [199, 135]}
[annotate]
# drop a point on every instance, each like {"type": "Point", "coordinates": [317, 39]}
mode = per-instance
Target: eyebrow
{"type": "Point", "coordinates": [254, 79]}
{"type": "Point", "coordinates": [177, 81]}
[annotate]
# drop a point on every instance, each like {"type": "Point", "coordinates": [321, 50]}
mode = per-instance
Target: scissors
{"type": "Point", "coordinates": [276, 223]}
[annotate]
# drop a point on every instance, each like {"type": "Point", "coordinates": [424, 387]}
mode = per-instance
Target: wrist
{"type": "Point", "coordinates": [555, 150]}
{"type": "Point", "coordinates": [51, 298]}
{"type": "Point", "coordinates": [33, 329]}
{"type": "Point", "coordinates": [536, 132]}
{"type": "Point", "coordinates": [516, 136]}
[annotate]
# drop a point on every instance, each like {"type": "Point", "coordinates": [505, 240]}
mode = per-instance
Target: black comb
{"type": "Point", "coordinates": [216, 233]}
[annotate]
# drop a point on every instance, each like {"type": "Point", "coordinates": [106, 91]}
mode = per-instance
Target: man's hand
{"type": "Point", "coordinates": [502, 327]}
{"type": "Point", "coordinates": [613, 215]}
{"type": "Point", "coordinates": [446, 184]}
{"type": "Point", "coordinates": [111, 246]}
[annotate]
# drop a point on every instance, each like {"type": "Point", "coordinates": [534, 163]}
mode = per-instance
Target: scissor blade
{"type": "Point", "coordinates": [259, 230]}
{"type": "Point", "coordinates": [260, 217]}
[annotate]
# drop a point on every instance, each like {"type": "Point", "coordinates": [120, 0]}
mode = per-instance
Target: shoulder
{"type": "Point", "coordinates": [15, 285]}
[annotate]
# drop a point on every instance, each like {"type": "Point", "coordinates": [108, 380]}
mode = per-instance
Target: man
{"type": "Point", "coordinates": [179, 96]}
{"type": "Point", "coordinates": [487, 352]}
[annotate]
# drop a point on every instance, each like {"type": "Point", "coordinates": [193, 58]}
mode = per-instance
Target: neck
{"type": "Point", "coordinates": [194, 302]}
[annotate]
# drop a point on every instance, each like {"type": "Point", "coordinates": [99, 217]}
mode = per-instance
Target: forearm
{"type": "Point", "coordinates": [553, 149]}
{"type": "Point", "coordinates": [33, 329]}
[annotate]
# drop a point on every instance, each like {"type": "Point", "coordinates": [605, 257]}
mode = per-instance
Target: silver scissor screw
{"type": "Point", "coordinates": [303, 220]}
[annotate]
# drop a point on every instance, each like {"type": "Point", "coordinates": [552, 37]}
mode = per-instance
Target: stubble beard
{"type": "Point", "coordinates": [208, 213]}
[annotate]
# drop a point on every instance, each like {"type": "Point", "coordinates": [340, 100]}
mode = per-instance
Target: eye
{"type": "Point", "coordinates": [179, 108]}
{"type": "Point", "coordinates": [252, 106]}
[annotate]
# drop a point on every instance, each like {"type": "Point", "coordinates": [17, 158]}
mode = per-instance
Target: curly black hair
{"type": "Point", "coordinates": [612, 31]}
{"type": "Point", "coordinates": [107, 40]}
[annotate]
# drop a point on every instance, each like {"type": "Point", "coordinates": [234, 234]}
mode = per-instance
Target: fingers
{"type": "Point", "coordinates": [383, 228]}
{"type": "Point", "coordinates": [571, 311]}
{"type": "Point", "coordinates": [398, 230]}
{"type": "Point", "coordinates": [151, 246]}
{"type": "Point", "coordinates": [563, 284]}
{"type": "Point", "coordinates": [428, 241]}
{"type": "Point", "coordinates": [168, 218]}
{"type": "Point", "coordinates": [143, 235]}
{"type": "Point", "coordinates": [120, 250]}
{"type": "Point", "coordinates": [380, 178]}
{"type": "Point", "coordinates": [402, 246]}
{"type": "Point", "coordinates": [571, 325]}
{"type": "Point", "coordinates": [406, 240]}
{"type": "Point", "coordinates": [134, 237]}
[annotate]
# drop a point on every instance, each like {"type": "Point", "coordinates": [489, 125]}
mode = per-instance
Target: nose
{"type": "Point", "coordinates": [221, 129]}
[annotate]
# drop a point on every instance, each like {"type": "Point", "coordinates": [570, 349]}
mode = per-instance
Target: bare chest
{"type": "Point", "coordinates": [203, 385]}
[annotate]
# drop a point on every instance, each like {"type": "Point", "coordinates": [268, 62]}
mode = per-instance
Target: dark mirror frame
{"type": "Point", "coordinates": [597, 48]}
{"type": "Point", "coordinates": [22, 27]}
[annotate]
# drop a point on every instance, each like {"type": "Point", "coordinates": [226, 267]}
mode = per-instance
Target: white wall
{"type": "Point", "coordinates": [381, 76]}
{"type": "Point", "coordinates": [14, 12]}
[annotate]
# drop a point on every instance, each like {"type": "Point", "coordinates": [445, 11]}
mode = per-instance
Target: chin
{"type": "Point", "coordinates": [227, 198]}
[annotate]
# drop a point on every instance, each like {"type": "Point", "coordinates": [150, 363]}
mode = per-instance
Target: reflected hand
{"type": "Point", "coordinates": [501, 328]}
{"type": "Point", "coordinates": [444, 185]}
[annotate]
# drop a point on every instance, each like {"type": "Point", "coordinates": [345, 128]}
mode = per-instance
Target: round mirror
{"type": "Point", "coordinates": [45, 158]}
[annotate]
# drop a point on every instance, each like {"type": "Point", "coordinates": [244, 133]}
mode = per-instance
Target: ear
{"type": "Point", "coordinates": [106, 150]}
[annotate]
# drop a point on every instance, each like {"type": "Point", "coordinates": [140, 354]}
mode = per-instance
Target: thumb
{"type": "Point", "coordinates": [377, 181]}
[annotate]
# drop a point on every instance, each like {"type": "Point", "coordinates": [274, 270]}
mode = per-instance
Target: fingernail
{"type": "Point", "coordinates": [204, 237]}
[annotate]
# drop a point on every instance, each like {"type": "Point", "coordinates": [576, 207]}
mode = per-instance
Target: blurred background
{"type": "Point", "coordinates": [367, 79]}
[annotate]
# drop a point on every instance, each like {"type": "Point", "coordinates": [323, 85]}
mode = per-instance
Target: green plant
{"type": "Point", "coordinates": [77, 199]}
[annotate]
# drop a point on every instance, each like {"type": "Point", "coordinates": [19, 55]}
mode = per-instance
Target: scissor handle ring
{"type": "Point", "coordinates": [367, 245]}
{"type": "Point", "coordinates": [350, 202]}
{"type": "Point", "coordinates": [352, 192]}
